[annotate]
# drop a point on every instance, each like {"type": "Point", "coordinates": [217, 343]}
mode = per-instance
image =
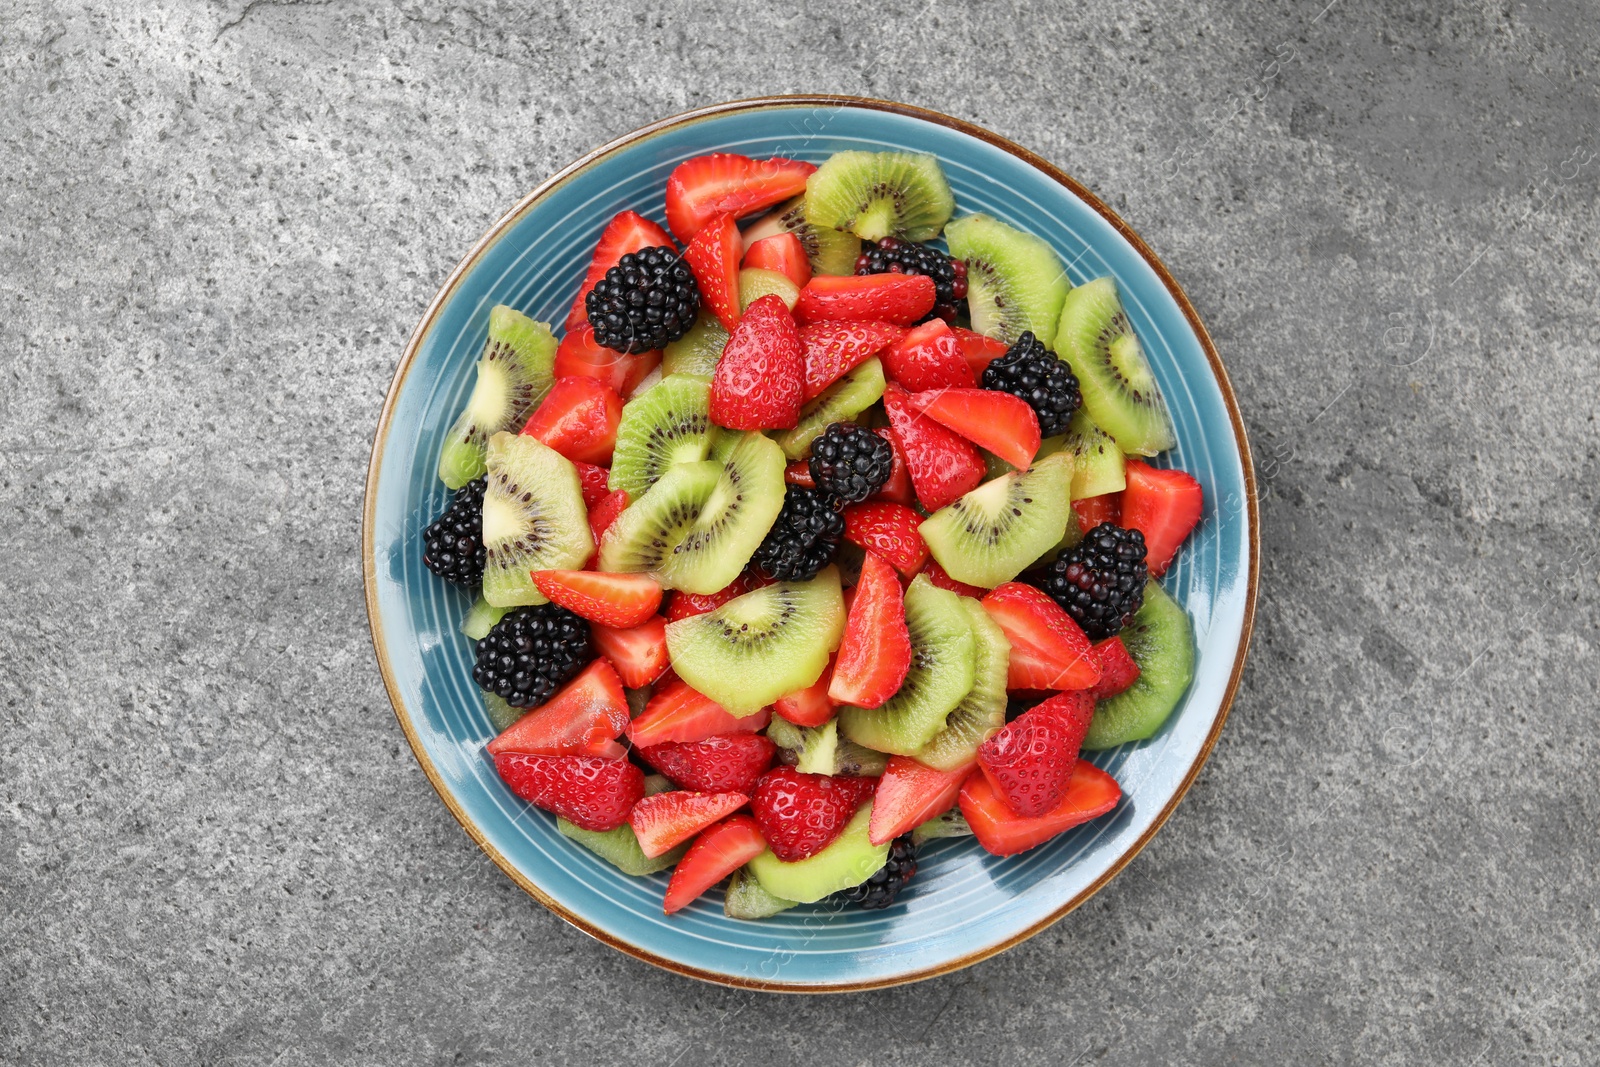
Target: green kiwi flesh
{"type": "Point", "coordinates": [747, 899]}
{"type": "Point", "coordinates": [1119, 389]}
{"type": "Point", "coordinates": [847, 861]}
{"type": "Point", "coordinates": [756, 282]}
{"type": "Point", "coordinates": [669, 424]}
{"type": "Point", "coordinates": [533, 518]}
{"type": "Point", "coordinates": [880, 194]}
{"type": "Point", "coordinates": [950, 824]}
{"type": "Point", "coordinates": [840, 402]}
{"type": "Point", "coordinates": [982, 711]}
{"type": "Point", "coordinates": [830, 251]}
{"type": "Point", "coordinates": [697, 351]}
{"type": "Point", "coordinates": [620, 847]}
{"type": "Point", "coordinates": [501, 714]}
{"type": "Point", "coordinates": [1015, 281]}
{"type": "Point", "coordinates": [1098, 465]}
{"type": "Point", "coordinates": [820, 750]}
{"type": "Point", "coordinates": [640, 539]}
{"type": "Point", "coordinates": [995, 532]}
{"type": "Point", "coordinates": [1162, 645]}
{"type": "Point", "coordinates": [480, 618]}
{"type": "Point", "coordinates": [514, 374]}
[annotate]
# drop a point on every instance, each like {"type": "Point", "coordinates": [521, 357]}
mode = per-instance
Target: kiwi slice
{"type": "Point", "coordinates": [1161, 644]}
{"type": "Point", "coordinates": [880, 194]}
{"type": "Point", "coordinates": [950, 824]}
{"type": "Point", "coordinates": [746, 899]}
{"type": "Point", "coordinates": [820, 750]}
{"type": "Point", "coordinates": [480, 618]}
{"type": "Point", "coordinates": [850, 859]}
{"type": "Point", "coordinates": [759, 646]}
{"type": "Point", "coordinates": [1098, 466]}
{"type": "Point", "coordinates": [514, 374]}
{"type": "Point", "coordinates": [942, 665]}
{"type": "Point", "coordinates": [998, 530]}
{"type": "Point", "coordinates": [830, 251]}
{"type": "Point", "coordinates": [501, 714]}
{"type": "Point", "coordinates": [697, 351]}
{"type": "Point", "coordinates": [1015, 281]}
{"type": "Point", "coordinates": [1119, 390]}
{"type": "Point", "coordinates": [640, 539]}
{"type": "Point", "coordinates": [667, 425]}
{"type": "Point", "coordinates": [533, 519]}
{"type": "Point", "coordinates": [620, 847]}
{"type": "Point", "coordinates": [983, 710]}
{"type": "Point", "coordinates": [755, 283]}
{"type": "Point", "coordinates": [840, 402]}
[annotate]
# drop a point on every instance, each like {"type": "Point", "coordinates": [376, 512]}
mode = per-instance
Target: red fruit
{"type": "Point", "coordinates": [685, 605]}
{"type": "Point", "coordinates": [1002, 423]}
{"type": "Point", "coordinates": [810, 706]}
{"type": "Point", "coordinates": [800, 814]}
{"type": "Point", "coordinates": [639, 653]}
{"type": "Point", "coordinates": [713, 258]}
{"type": "Point", "coordinates": [909, 794]}
{"type": "Point", "coordinates": [726, 764]}
{"type": "Point", "coordinates": [1118, 670]}
{"type": "Point", "coordinates": [1090, 792]}
{"type": "Point", "coordinates": [677, 713]}
{"type": "Point", "coordinates": [898, 488]}
{"type": "Point", "coordinates": [1164, 505]}
{"type": "Point", "coordinates": [944, 465]}
{"type": "Point", "coordinates": [580, 719]}
{"type": "Point", "coordinates": [715, 854]}
{"type": "Point", "coordinates": [701, 188]}
{"type": "Point", "coordinates": [1029, 761]}
{"type": "Point", "coordinates": [668, 819]}
{"type": "Point", "coordinates": [890, 530]}
{"type": "Point", "coordinates": [783, 253]}
{"type": "Point", "coordinates": [834, 349]}
{"type": "Point", "coordinates": [587, 791]}
{"type": "Point", "coordinates": [1093, 510]}
{"type": "Point", "coordinates": [980, 351]}
{"type": "Point", "coordinates": [898, 298]}
{"type": "Point", "coordinates": [578, 418]}
{"type": "Point", "coordinates": [620, 600]}
{"type": "Point", "coordinates": [1048, 650]}
{"type": "Point", "coordinates": [602, 515]}
{"type": "Point", "coordinates": [929, 357]}
{"type": "Point", "coordinates": [628, 232]}
{"type": "Point", "coordinates": [1075, 710]}
{"type": "Point", "coordinates": [799, 474]}
{"type": "Point", "coordinates": [580, 356]}
{"type": "Point", "coordinates": [875, 653]}
{"type": "Point", "coordinates": [758, 381]}
{"type": "Point", "coordinates": [936, 574]}
{"type": "Point", "coordinates": [593, 481]}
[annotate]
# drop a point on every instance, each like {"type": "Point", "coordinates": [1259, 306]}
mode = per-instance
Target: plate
{"type": "Point", "coordinates": [964, 905]}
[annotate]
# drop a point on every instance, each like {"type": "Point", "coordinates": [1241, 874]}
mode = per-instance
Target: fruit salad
{"type": "Point", "coordinates": [828, 527]}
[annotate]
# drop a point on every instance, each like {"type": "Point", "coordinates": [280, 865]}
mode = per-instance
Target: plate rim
{"type": "Point", "coordinates": [501, 226]}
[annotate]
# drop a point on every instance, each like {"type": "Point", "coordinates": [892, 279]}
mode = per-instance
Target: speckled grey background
{"type": "Point", "coordinates": [220, 221]}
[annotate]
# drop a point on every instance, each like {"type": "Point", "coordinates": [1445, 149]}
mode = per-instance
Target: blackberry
{"type": "Point", "coordinates": [646, 301]}
{"type": "Point", "coordinates": [894, 256]}
{"type": "Point", "coordinates": [531, 653]}
{"type": "Point", "coordinates": [1100, 580]}
{"type": "Point", "coordinates": [452, 545]}
{"type": "Point", "coordinates": [851, 461]}
{"type": "Point", "coordinates": [880, 890]}
{"type": "Point", "coordinates": [802, 540]}
{"type": "Point", "coordinates": [1030, 372]}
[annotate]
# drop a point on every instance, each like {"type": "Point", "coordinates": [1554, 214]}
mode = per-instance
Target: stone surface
{"type": "Point", "coordinates": [221, 221]}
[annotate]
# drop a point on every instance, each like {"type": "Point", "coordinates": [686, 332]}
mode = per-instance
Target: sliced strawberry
{"type": "Point", "coordinates": [890, 530]}
{"type": "Point", "coordinates": [713, 258]}
{"type": "Point", "coordinates": [1090, 792]}
{"type": "Point", "coordinates": [580, 719]}
{"type": "Point", "coordinates": [980, 351]}
{"type": "Point", "coordinates": [580, 356]}
{"type": "Point", "coordinates": [728, 763]}
{"type": "Point", "coordinates": [578, 418]}
{"type": "Point", "coordinates": [936, 574]}
{"type": "Point", "coordinates": [715, 854]}
{"type": "Point", "coordinates": [810, 706]}
{"type": "Point", "coordinates": [834, 349]}
{"type": "Point", "coordinates": [627, 232]}
{"type": "Point", "coordinates": [799, 474]}
{"type": "Point", "coordinates": [668, 819]}
{"type": "Point", "coordinates": [1029, 761]}
{"type": "Point", "coordinates": [1118, 669]}
{"type": "Point", "coordinates": [898, 489]}
{"type": "Point", "coordinates": [686, 605]}
{"type": "Point", "coordinates": [783, 253]}
{"type": "Point", "coordinates": [929, 357]}
{"type": "Point", "coordinates": [602, 515]}
{"type": "Point", "coordinates": [701, 188]}
{"type": "Point", "coordinates": [619, 600]}
{"type": "Point", "coordinates": [999, 422]}
{"type": "Point", "coordinates": [875, 653]}
{"type": "Point", "coordinates": [909, 794]}
{"type": "Point", "coordinates": [587, 791]}
{"type": "Point", "coordinates": [759, 379]}
{"type": "Point", "coordinates": [1093, 510]}
{"type": "Point", "coordinates": [898, 298]}
{"type": "Point", "coordinates": [1048, 649]}
{"type": "Point", "coordinates": [677, 713]}
{"type": "Point", "coordinates": [944, 465]}
{"type": "Point", "coordinates": [1164, 505]}
{"type": "Point", "coordinates": [800, 814]}
{"type": "Point", "coordinates": [639, 653]}
{"type": "Point", "coordinates": [593, 481]}
{"type": "Point", "coordinates": [1075, 710]}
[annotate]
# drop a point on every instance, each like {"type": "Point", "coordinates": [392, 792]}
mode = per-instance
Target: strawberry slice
{"type": "Point", "coordinates": [677, 713]}
{"type": "Point", "coordinates": [701, 188]}
{"type": "Point", "coordinates": [580, 356]}
{"type": "Point", "coordinates": [586, 714]}
{"type": "Point", "coordinates": [1075, 710]}
{"type": "Point", "coordinates": [999, 422]}
{"type": "Point", "coordinates": [1118, 669]}
{"type": "Point", "coordinates": [898, 489]}
{"type": "Point", "coordinates": [979, 351]}
{"type": "Point", "coordinates": [875, 653]}
{"type": "Point", "coordinates": [800, 814]}
{"type": "Point", "coordinates": [929, 357]}
{"type": "Point", "coordinates": [1048, 649]}
{"type": "Point", "coordinates": [684, 605]}
{"type": "Point", "coordinates": [587, 791]}
{"type": "Point", "coordinates": [890, 530]}
{"type": "Point", "coordinates": [639, 653]}
{"type": "Point", "coordinates": [619, 600]}
{"type": "Point", "coordinates": [759, 379]}
{"type": "Point", "coordinates": [944, 465]}
{"type": "Point", "coordinates": [902, 299]}
{"type": "Point", "coordinates": [593, 481]}
{"type": "Point", "coordinates": [936, 574]}
{"type": "Point", "coordinates": [627, 232]}
{"type": "Point", "coordinates": [783, 253]}
{"type": "Point", "coordinates": [800, 474]}
{"type": "Point", "coordinates": [1029, 761]}
{"type": "Point", "coordinates": [668, 819]}
{"type": "Point", "coordinates": [909, 794]}
{"type": "Point", "coordinates": [809, 706]}
{"type": "Point", "coordinates": [601, 515]}
{"type": "Point", "coordinates": [834, 349]}
{"type": "Point", "coordinates": [578, 418]}
{"type": "Point", "coordinates": [713, 258]}
{"type": "Point", "coordinates": [729, 763]}
{"type": "Point", "coordinates": [715, 854]}
{"type": "Point", "coordinates": [1164, 505]}
{"type": "Point", "coordinates": [1093, 510]}
{"type": "Point", "coordinates": [1090, 792]}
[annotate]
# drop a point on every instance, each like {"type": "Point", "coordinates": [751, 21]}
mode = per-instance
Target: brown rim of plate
{"type": "Point", "coordinates": [757, 103]}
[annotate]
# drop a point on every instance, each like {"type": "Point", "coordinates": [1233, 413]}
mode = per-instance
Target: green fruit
{"type": "Point", "coordinates": [480, 618]}
{"type": "Point", "coordinates": [667, 425]}
{"type": "Point", "coordinates": [697, 351]}
{"type": "Point", "coordinates": [756, 282]}
{"type": "Point", "coordinates": [1015, 281]}
{"type": "Point", "coordinates": [820, 750]}
{"type": "Point", "coordinates": [533, 519]}
{"type": "Point", "coordinates": [849, 860]}
{"type": "Point", "coordinates": [982, 711]}
{"type": "Point", "coordinates": [998, 530]}
{"type": "Point", "coordinates": [950, 824]}
{"type": "Point", "coordinates": [501, 714]}
{"type": "Point", "coordinates": [1119, 389]}
{"type": "Point", "coordinates": [620, 847]}
{"type": "Point", "coordinates": [746, 899]}
{"type": "Point", "coordinates": [840, 402]}
{"type": "Point", "coordinates": [830, 251]}
{"type": "Point", "coordinates": [1098, 466]}
{"type": "Point", "coordinates": [1161, 644]}
{"type": "Point", "coordinates": [514, 374]}
{"type": "Point", "coordinates": [880, 194]}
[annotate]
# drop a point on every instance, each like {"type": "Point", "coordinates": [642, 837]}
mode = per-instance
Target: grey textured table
{"type": "Point", "coordinates": [220, 222]}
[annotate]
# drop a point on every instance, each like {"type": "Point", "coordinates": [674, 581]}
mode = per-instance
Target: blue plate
{"type": "Point", "coordinates": [964, 904]}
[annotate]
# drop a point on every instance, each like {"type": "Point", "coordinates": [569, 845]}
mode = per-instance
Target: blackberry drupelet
{"type": "Point", "coordinates": [851, 461]}
{"type": "Point", "coordinates": [1032, 373]}
{"type": "Point", "coordinates": [452, 545]}
{"type": "Point", "coordinates": [1100, 580]}
{"type": "Point", "coordinates": [880, 890]}
{"type": "Point", "coordinates": [802, 540]}
{"type": "Point", "coordinates": [531, 653]}
{"type": "Point", "coordinates": [894, 256]}
{"type": "Point", "coordinates": [646, 301]}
